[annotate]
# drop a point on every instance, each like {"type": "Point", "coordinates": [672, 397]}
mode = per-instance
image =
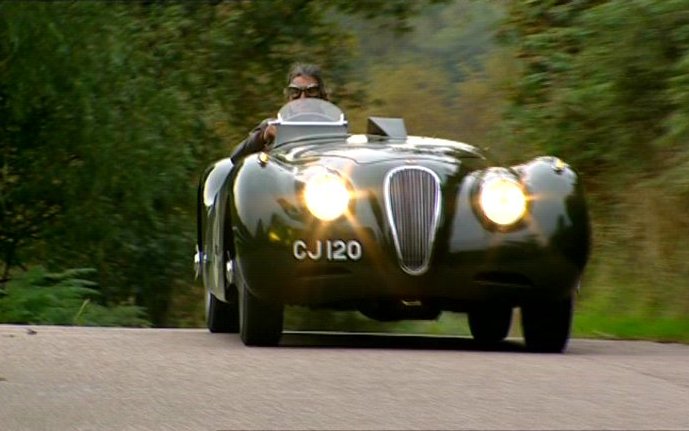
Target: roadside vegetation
{"type": "Point", "coordinates": [109, 113]}
{"type": "Point", "coordinates": [39, 297]}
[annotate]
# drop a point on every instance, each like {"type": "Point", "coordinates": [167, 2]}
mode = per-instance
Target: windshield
{"type": "Point", "coordinates": [309, 119]}
{"type": "Point", "coordinates": [310, 110]}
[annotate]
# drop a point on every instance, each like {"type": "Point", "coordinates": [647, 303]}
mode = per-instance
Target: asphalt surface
{"type": "Point", "coordinates": [64, 378]}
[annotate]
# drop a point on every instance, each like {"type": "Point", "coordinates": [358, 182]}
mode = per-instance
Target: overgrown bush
{"type": "Point", "coordinates": [64, 298]}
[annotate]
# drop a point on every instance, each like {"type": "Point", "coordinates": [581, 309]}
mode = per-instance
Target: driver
{"type": "Point", "coordinates": [303, 80]}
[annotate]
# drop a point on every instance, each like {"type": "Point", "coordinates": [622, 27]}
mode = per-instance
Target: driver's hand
{"type": "Point", "coordinates": [269, 134]}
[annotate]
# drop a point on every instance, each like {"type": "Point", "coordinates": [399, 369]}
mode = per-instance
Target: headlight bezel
{"type": "Point", "coordinates": [491, 177]}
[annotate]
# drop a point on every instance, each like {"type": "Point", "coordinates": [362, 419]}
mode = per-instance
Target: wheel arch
{"type": "Point", "coordinates": [210, 185]}
{"type": "Point", "coordinates": [212, 196]}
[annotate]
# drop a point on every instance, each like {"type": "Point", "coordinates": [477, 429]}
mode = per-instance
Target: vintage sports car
{"type": "Point", "coordinates": [394, 226]}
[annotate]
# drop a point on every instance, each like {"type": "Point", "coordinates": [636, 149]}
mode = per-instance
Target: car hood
{"type": "Point", "coordinates": [362, 150]}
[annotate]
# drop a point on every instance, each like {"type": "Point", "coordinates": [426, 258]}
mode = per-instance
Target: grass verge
{"type": "Point", "coordinates": [665, 329]}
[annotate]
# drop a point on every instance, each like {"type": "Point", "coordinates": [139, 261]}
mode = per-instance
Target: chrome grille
{"type": "Point", "coordinates": [412, 201]}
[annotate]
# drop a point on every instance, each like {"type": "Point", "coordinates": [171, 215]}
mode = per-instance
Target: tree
{"type": "Point", "coordinates": [111, 111]}
{"type": "Point", "coordinates": [604, 85]}
{"type": "Point", "coordinates": [600, 78]}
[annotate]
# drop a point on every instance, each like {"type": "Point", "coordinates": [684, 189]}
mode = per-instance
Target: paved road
{"type": "Point", "coordinates": [145, 379]}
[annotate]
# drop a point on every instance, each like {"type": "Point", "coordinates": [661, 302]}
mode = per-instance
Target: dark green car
{"type": "Point", "coordinates": [395, 226]}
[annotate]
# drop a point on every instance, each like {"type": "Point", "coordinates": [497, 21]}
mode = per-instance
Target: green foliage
{"type": "Point", "coordinates": [110, 112]}
{"type": "Point", "coordinates": [443, 76]}
{"type": "Point", "coordinates": [604, 85]}
{"type": "Point", "coordinates": [481, 100]}
{"type": "Point", "coordinates": [449, 37]}
{"type": "Point", "coordinates": [601, 80]}
{"type": "Point", "coordinates": [422, 104]}
{"type": "Point", "coordinates": [599, 325]}
{"type": "Point", "coordinates": [100, 137]}
{"type": "Point", "coordinates": [65, 298]}
{"type": "Point", "coordinates": [394, 14]}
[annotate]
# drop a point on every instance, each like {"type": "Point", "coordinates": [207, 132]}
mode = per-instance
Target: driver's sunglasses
{"type": "Point", "coordinates": [311, 90]}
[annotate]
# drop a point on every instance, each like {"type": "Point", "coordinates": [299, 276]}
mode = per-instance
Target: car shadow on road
{"type": "Point", "coordinates": [301, 339]}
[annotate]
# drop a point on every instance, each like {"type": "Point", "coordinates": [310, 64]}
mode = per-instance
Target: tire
{"type": "Point", "coordinates": [260, 321]}
{"type": "Point", "coordinates": [546, 325]}
{"type": "Point", "coordinates": [490, 324]}
{"type": "Point", "coordinates": [223, 317]}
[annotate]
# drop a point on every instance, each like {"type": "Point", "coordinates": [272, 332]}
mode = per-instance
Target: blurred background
{"type": "Point", "coordinates": [109, 112]}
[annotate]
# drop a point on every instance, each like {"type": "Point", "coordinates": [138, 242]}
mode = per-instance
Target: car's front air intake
{"type": "Point", "coordinates": [412, 201]}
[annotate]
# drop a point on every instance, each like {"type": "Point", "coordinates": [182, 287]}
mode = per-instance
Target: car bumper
{"type": "Point", "coordinates": [511, 274]}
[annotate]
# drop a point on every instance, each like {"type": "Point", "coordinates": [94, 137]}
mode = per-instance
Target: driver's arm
{"type": "Point", "coordinates": [260, 137]}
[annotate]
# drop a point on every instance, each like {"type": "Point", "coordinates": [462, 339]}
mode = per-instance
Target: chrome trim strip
{"type": "Point", "coordinates": [425, 229]}
{"type": "Point", "coordinates": [229, 272]}
{"type": "Point", "coordinates": [281, 122]}
{"type": "Point", "coordinates": [199, 260]}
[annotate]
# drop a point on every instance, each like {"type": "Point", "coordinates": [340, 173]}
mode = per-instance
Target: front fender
{"type": "Point", "coordinates": [562, 210]}
{"type": "Point", "coordinates": [211, 218]}
{"type": "Point", "coordinates": [553, 241]}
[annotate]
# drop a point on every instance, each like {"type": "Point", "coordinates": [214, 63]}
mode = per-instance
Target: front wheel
{"type": "Point", "coordinates": [260, 322]}
{"type": "Point", "coordinates": [490, 323]}
{"type": "Point", "coordinates": [546, 324]}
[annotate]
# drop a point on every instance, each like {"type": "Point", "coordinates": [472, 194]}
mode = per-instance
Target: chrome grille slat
{"type": "Point", "coordinates": [412, 200]}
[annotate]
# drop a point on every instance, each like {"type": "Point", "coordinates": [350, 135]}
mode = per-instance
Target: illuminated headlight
{"type": "Point", "coordinates": [326, 196]}
{"type": "Point", "coordinates": [502, 200]}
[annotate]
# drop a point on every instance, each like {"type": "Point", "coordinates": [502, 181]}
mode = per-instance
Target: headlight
{"type": "Point", "coordinates": [326, 195]}
{"type": "Point", "coordinates": [502, 200]}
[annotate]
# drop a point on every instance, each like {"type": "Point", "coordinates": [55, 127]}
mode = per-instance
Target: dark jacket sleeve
{"type": "Point", "coordinates": [252, 144]}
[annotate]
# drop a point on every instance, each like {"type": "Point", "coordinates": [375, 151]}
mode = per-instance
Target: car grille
{"type": "Point", "coordinates": [412, 201]}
